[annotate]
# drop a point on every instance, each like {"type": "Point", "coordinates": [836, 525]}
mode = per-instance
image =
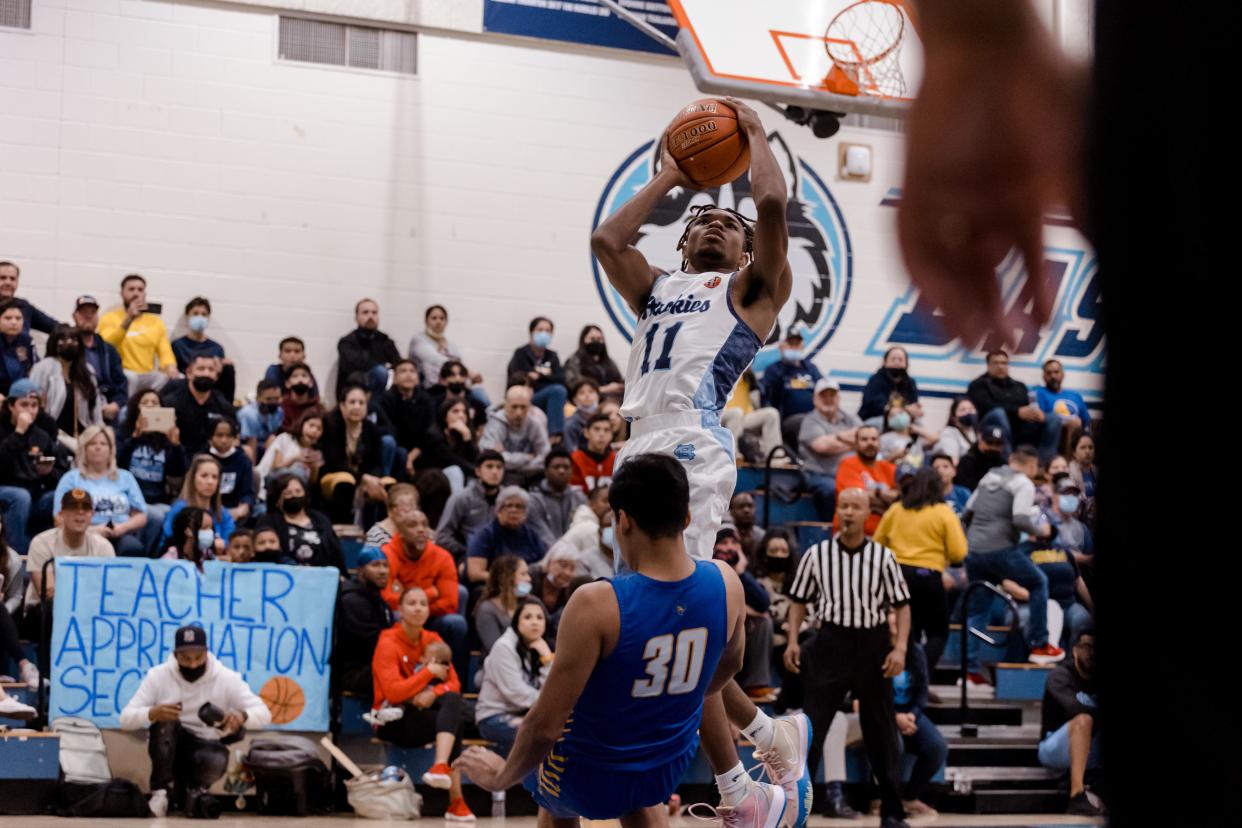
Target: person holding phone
{"type": "Point", "coordinates": [29, 467]}
{"type": "Point", "coordinates": [149, 445]}
{"type": "Point", "coordinates": [136, 330]}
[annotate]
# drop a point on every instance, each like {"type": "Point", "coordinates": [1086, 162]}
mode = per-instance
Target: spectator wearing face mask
{"type": "Point", "coordinates": [262, 420]}
{"type": "Point", "coordinates": [902, 441]}
{"type": "Point", "coordinates": [542, 369]}
{"type": "Point", "coordinates": [591, 362]}
{"type": "Point", "coordinates": [196, 343]}
{"type": "Point", "coordinates": [891, 379]}
{"type": "Point", "coordinates": [292, 352]}
{"type": "Point", "coordinates": [306, 534]}
{"type": "Point", "coordinates": [958, 436]}
{"type": "Point", "coordinates": [789, 385]}
{"type": "Point", "coordinates": [301, 395]}
{"type": "Point", "coordinates": [508, 582]}
{"type": "Point", "coordinates": [550, 581]}
{"type": "Point", "coordinates": [268, 549]}
{"type": "Point", "coordinates": [192, 537]}
{"type": "Point", "coordinates": [454, 386]}
{"type": "Point", "coordinates": [985, 455]}
{"type": "Point", "coordinates": [590, 535]}
{"type": "Point", "coordinates": [197, 403]}
{"type": "Point", "coordinates": [201, 489]}
{"type": "Point", "coordinates": [67, 383]}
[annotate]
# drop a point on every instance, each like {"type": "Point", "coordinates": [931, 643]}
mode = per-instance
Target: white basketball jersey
{"type": "Point", "coordinates": [689, 348]}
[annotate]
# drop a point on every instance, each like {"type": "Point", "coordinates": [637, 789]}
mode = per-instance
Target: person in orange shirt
{"type": "Point", "coordinates": [593, 462]}
{"type": "Point", "coordinates": [861, 470]}
{"type": "Point", "coordinates": [426, 690]}
{"type": "Point", "coordinates": [414, 560]}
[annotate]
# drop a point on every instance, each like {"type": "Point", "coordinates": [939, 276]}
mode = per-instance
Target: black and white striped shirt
{"type": "Point", "coordinates": [849, 587]}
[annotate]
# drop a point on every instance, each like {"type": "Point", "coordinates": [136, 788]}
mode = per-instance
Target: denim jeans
{"type": "Point", "coordinates": [18, 508]}
{"type": "Point", "coordinates": [823, 489]}
{"type": "Point", "coordinates": [1015, 564]}
{"type": "Point", "coordinates": [156, 512]}
{"type": "Point", "coordinates": [498, 729]}
{"type": "Point", "coordinates": [1044, 436]}
{"type": "Point", "coordinates": [930, 751]}
{"type": "Point", "coordinates": [551, 400]}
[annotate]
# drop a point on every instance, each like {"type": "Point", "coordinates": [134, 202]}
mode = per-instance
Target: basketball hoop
{"type": "Point", "coordinates": [864, 44]}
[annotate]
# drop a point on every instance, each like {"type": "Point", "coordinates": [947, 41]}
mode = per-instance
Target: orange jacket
{"type": "Point", "coordinates": [434, 571]}
{"type": "Point", "coordinates": [395, 679]}
{"type": "Point", "coordinates": [852, 473]}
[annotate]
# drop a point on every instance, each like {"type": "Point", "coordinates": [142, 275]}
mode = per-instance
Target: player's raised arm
{"type": "Point", "coordinates": [627, 268]}
{"type": "Point", "coordinates": [584, 635]}
{"type": "Point", "coordinates": [768, 275]}
{"type": "Point", "coordinates": [731, 659]}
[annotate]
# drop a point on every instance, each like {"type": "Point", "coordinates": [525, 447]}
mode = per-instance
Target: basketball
{"type": "Point", "coordinates": [284, 698]}
{"type": "Point", "coordinates": [705, 141]}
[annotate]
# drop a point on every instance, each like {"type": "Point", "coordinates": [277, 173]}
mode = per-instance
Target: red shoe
{"type": "Point", "coordinates": [458, 811]}
{"type": "Point", "coordinates": [439, 776]}
{"type": "Point", "coordinates": [1047, 654]}
{"type": "Point", "coordinates": [978, 679]}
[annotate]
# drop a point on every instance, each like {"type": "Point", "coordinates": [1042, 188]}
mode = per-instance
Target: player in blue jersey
{"type": "Point", "coordinates": [698, 329]}
{"type": "Point", "coordinates": [616, 724]}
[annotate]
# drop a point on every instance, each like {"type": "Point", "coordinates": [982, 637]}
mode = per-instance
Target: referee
{"type": "Point", "coordinates": [847, 584]}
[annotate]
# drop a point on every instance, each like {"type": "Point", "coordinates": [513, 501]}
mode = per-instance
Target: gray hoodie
{"type": "Point", "coordinates": [551, 512]}
{"type": "Point", "coordinates": [1002, 506]}
{"type": "Point", "coordinates": [465, 513]}
{"type": "Point", "coordinates": [506, 686]}
{"type": "Point", "coordinates": [523, 447]}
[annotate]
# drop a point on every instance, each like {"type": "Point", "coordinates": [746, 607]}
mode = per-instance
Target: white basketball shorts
{"type": "Point", "coordinates": [705, 450]}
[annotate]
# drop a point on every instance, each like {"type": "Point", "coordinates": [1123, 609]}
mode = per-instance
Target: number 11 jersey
{"type": "Point", "coordinates": [689, 348]}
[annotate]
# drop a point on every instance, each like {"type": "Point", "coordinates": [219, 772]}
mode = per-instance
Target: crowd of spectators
{"type": "Point", "coordinates": [481, 519]}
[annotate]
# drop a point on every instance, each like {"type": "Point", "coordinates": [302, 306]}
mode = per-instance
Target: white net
{"type": "Point", "coordinates": [864, 42]}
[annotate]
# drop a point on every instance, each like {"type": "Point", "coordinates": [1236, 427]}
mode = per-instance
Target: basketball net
{"type": "Point", "coordinates": [864, 44]}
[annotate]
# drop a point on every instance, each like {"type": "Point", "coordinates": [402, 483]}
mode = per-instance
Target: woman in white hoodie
{"type": "Point", "coordinates": [513, 674]}
{"type": "Point", "coordinates": [186, 752]}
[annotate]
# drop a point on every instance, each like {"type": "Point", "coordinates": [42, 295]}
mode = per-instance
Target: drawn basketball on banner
{"type": "Point", "coordinates": [284, 697]}
{"type": "Point", "coordinates": [820, 253]}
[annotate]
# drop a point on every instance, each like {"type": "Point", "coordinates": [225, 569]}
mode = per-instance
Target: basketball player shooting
{"type": "Point", "coordinates": [698, 329]}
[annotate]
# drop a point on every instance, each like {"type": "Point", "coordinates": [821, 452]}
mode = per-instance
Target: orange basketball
{"type": "Point", "coordinates": [284, 698]}
{"type": "Point", "coordinates": [705, 141]}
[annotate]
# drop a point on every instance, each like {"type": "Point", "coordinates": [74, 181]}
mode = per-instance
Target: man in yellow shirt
{"type": "Point", "coordinates": [141, 338]}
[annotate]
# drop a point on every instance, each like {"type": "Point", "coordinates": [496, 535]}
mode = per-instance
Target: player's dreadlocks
{"type": "Point", "coordinates": [696, 213]}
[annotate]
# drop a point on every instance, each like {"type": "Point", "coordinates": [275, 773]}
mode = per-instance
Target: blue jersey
{"type": "Point", "coordinates": [642, 705]}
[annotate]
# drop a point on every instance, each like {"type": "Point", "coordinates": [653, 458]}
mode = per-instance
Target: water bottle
{"type": "Point", "coordinates": [498, 805]}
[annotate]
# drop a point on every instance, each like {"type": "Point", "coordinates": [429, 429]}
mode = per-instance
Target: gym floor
{"type": "Point", "coordinates": [943, 821]}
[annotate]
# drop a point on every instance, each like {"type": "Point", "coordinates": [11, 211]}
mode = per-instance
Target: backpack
{"type": "Point", "coordinates": [289, 777]}
{"type": "Point", "coordinates": [86, 787]}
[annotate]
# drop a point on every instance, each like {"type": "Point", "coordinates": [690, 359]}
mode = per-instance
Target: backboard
{"type": "Point", "coordinates": [839, 55]}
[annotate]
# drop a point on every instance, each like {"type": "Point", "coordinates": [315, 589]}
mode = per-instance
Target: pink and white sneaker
{"type": "Point", "coordinates": [765, 806]}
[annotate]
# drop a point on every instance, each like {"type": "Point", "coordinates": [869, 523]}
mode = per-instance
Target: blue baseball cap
{"type": "Point", "coordinates": [23, 388]}
{"type": "Point", "coordinates": [370, 554]}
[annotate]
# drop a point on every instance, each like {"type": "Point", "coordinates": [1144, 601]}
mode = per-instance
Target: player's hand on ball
{"type": "Point", "coordinates": [482, 766]}
{"type": "Point", "coordinates": [747, 118]}
{"type": "Point", "coordinates": [668, 166]}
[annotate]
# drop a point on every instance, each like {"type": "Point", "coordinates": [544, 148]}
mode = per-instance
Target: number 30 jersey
{"type": "Point", "coordinates": [642, 705]}
{"type": "Point", "coordinates": [689, 348]}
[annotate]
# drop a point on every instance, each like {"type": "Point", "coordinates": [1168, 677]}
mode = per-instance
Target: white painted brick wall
{"type": "Point", "coordinates": [165, 138]}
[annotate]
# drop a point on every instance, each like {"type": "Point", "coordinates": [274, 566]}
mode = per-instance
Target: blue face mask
{"type": "Point", "coordinates": [792, 355]}
{"type": "Point", "coordinates": [1068, 504]}
{"type": "Point", "coordinates": [542, 339]}
{"type": "Point", "coordinates": [523, 589]}
{"type": "Point", "coordinates": [899, 421]}
{"type": "Point", "coordinates": [609, 538]}
{"type": "Point", "coordinates": [206, 537]}
{"type": "Point", "coordinates": [198, 324]}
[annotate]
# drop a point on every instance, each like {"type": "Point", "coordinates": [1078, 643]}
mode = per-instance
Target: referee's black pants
{"type": "Point", "coordinates": [842, 660]}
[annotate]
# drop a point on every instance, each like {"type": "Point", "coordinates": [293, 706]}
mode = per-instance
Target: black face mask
{"type": "Point", "coordinates": [293, 505]}
{"type": "Point", "coordinates": [300, 388]}
{"type": "Point", "coordinates": [992, 457]}
{"type": "Point", "coordinates": [968, 420]}
{"type": "Point", "coordinates": [68, 351]}
{"type": "Point", "coordinates": [778, 564]}
{"type": "Point", "coordinates": [896, 374]}
{"type": "Point", "coordinates": [192, 673]}
{"type": "Point", "coordinates": [269, 408]}
{"type": "Point", "coordinates": [203, 383]}
{"type": "Point", "coordinates": [595, 349]}
{"type": "Point", "coordinates": [456, 387]}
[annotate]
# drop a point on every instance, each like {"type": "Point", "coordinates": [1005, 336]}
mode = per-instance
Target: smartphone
{"type": "Point", "coordinates": [159, 419]}
{"type": "Point", "coordinates": [155, 307]}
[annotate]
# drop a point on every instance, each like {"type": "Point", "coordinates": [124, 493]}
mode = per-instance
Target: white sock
{"type": "Point", "coordinates": [733, 785]}
{"type": "Point", "coordinates": [762, 731]}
